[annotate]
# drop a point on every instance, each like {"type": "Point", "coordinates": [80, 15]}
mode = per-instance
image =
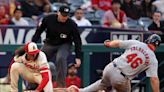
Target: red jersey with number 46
{"type": "Point", "coordinates": [138, 57]}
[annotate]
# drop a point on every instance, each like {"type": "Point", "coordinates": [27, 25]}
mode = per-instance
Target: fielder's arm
{"type": "Point", "coordinates": [155, 84]}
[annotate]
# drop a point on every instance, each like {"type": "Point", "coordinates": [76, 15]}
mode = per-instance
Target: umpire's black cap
{"type": "Point", "coordinates": [64, 10]}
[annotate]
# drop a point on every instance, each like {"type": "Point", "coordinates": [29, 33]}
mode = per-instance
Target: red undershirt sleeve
{"type": "Point", "coordinates": [45, 79]}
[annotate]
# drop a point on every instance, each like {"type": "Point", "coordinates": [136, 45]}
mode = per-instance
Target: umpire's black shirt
{"type": "Point", "coordinates": [58, 33]}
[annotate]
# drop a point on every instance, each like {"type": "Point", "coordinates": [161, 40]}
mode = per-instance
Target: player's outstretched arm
{"type": "Point", "coordinates": [155, 84]}
{"type": "Point", "coordinates": [113, 44]}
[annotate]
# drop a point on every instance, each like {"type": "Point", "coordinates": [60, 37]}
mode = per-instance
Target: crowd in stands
{"type": "Point", "coordinates": [119, 14]}
{"type": "Point", "coordinates": [134, 14]}
{"type": "Point", "coordinates": [129, 14]}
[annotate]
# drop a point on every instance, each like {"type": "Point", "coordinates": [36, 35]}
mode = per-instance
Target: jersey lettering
{"type": "Point", "coordinates": [134, 60]}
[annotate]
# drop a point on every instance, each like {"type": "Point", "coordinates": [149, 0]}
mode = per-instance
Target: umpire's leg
{"type": "Point", "coordinates": [50, 51]}
{"type": "Point", "coordinates": [61, 64]}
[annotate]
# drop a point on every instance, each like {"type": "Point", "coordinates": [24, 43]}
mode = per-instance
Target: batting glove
{"type": "Point", "coordinates": [107, 43]}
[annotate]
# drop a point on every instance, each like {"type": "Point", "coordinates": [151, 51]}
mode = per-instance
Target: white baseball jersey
{"type": "Point", "coordinates": [137, 57]}
{"type": "Point", "coordinates": [34, 66]}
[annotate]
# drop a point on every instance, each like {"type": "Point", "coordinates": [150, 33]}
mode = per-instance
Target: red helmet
{"type": "Point", "coordinates": [31, 48]}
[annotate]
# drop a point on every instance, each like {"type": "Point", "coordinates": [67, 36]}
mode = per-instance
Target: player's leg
{"type": "Point", "coordinates": [98, 85]}
{"type": "Point", "coordinates": [118, 81]}
{"type": "Point", "coordinates": [18, 69]}
{"type": "Point", "coordinates": [49, 50]}
{"type": "Point", "coordinates": [61, 64]}
{"type": "Point", "coordinates": [101, 84]}
{"type": "Point", "coordinates": [123, 87]}
{"type": "Point", "coordinates": [14, 76]}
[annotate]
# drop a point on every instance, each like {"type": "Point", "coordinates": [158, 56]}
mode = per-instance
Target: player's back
{"type": "Point", "coordinates": [136, 58]}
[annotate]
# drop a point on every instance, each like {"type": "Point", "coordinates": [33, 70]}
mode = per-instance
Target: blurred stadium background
{"type": "Point", "coordinates": [94, 55]}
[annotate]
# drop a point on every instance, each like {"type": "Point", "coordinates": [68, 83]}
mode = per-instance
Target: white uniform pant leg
{"type": "Point", "coordinates": [118, 81]}
{"type": "Point", "coordinates": [20, 69]}
{"type": "Point", "coordinates": [98, 85]}
{"type": "Point", "coordinates": [111, 77]}
{"type": "Point", "coordinates": [101, 84]}
{"type": "Point", "coordinates": [14, 76]}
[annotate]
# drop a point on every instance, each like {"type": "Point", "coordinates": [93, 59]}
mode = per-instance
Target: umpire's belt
{"type": "Point", "coordinates": [115, 65]}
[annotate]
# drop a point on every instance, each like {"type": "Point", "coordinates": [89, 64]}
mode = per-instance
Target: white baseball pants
{"type": "Point", "coordinates": [111, 78]}
{"type": "Point", "coordinates": [19, 69]}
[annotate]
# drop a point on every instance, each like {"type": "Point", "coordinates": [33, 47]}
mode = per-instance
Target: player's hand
{"type": "Point", "coordinates": [107, 43]}
{"type": "Point", "coordinates": [78, 62]}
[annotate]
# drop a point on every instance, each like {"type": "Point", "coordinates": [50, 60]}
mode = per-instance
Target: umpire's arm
{"type": "Point", "coordinates": [39, 30]}
{"type": "Point", "coordinates": [77, 40]}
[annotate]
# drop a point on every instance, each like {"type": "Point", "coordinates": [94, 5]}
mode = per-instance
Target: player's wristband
{"type": "Point", "coordinates": [107, 43]}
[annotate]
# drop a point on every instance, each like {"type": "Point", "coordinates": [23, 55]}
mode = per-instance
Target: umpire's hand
{"type": "Point", "coordinates": [78, 62]}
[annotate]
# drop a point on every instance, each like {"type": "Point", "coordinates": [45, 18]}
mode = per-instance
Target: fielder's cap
{"type": "Point", "coordinates": [64, 10]}
{"type": "Point", "coordinates": [31, 48]}
{"type": "Point", "coordinates": [71, 65]}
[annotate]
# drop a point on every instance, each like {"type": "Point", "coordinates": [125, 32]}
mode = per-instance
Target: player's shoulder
{"type": "Point", "coordinates": [42, 57]}
{"type": "Point", "coordinates": [42, 54]}
{"type": "Point", "coordinates": [132, 41]}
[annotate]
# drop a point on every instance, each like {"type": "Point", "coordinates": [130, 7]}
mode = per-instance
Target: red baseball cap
{"type": "Point", "coordinates": [31, 48]}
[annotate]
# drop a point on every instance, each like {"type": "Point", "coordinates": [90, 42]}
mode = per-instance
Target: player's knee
{"type": "Point", "coordinates": [15, 66]}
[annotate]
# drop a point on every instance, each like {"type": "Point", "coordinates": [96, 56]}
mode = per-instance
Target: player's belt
{"type": "Point", "coordinates": [115, 65]}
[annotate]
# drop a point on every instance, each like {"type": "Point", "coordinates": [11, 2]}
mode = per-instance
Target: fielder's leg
{"type": "Point", "coordinates": [14, 75]}
{"type": "Point", "coordinates": [19, 69]}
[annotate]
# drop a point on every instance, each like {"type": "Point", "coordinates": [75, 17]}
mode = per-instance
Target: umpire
{"type": "Point", "coordinates": [61, 31]}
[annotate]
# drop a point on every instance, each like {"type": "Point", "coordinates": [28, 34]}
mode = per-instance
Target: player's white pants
{"type": "Point", "coordinates": [20, 69]}
{"type": "Point", "coordinates": [111, 77]}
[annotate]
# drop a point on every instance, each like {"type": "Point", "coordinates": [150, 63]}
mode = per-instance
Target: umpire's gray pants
{"type": "Point", "coordinates": [61, 52]}
{"type": "Point", "coordinates": [111, 78]}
